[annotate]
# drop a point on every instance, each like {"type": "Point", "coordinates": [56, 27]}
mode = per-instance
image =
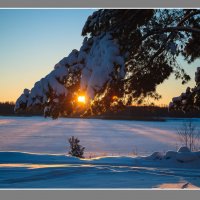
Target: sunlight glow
{"type": "Point", "coordinates": [81, 99]}
{"type": "Point", "coordinates": [114, 97]}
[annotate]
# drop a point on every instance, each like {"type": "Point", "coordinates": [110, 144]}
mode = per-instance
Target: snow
{"type": "Point", "coordinates": [187, 157]}
{"type": "Point", "coordinates": [60, 73]}
{"type": "Point", "coordinates": [100, 62]}
{"type": "Point", "coordinates": [23, 170]}
{"type": "Point", "coordinates": [33, 154]}
{"type": "Point", "coordinates": [183, 149]}
{"type": "Point", "coordinates": [176, 99]}
{"type": "Point", "coordinates": [23, 99]}
{"type": "Point", "coordinates": [186, 100]}
{"type": "Point", "coordinates": [39, 94]}
{"type": "Point", "coordinates": [184, 155]}
{"type": "Point", "coordinates": [57, 87]}
{"type": "Point", "coordinates": [108, 137]}
{"type": "Point", "coordinates": [97, 59]}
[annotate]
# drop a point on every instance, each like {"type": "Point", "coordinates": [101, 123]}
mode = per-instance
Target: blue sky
{"type": "Point", "coordinates": [32, 41]}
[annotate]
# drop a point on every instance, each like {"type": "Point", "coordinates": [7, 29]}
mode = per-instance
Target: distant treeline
{"type": "Point", "coordinates": [7, 109]}
{"type": "Point", "coordinates": [149, 113]}
{"type": "Point", "coordinates": [130, 112]}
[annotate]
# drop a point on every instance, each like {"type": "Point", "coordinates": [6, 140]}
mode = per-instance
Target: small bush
{"type": "Point", "coordinates": [76, 149]}
{"type": "Point", "coordinates": [188, 135]}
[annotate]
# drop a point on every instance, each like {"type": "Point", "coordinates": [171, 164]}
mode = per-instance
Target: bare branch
{"type": "Point", "coordinates": [188, 135]}
{"type": "Point", "coordinates": [171, 37]}
{"type": "Point", "coordinates": [170, 29]}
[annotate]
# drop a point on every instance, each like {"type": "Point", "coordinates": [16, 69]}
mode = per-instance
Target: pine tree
{"type": "Point", "coordinates": [75, 148]}
{"type": "Point", "coordinates": [125, 54]}
{"type": "Point", "coordinates": [190, 99]}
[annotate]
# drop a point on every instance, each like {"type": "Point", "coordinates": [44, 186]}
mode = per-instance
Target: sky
{"type": "Point", "coordinates": [32, 41]}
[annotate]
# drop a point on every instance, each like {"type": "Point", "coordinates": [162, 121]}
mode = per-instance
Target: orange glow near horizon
{"type": "Point", "coordinates": [81, 99]}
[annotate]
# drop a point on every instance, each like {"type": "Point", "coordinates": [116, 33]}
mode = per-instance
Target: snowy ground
{"type": "Point", "coordinates": [20, 170]}
{"type": "Point", "coordinates": [100, 137]}
{"type": "Point", "coordinates": [104, 137]}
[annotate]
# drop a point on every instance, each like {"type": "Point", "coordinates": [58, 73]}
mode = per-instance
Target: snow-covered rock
{"type": "Point", "coordinates": [170, 155]}
{"type": "Point", "coordinates": [186, 156]}
{"type": "Point", "coordinates": [183, 155]}
{"type": "Point", "coordinates": [156, 156]}
{"type": "Point", "coordinates": [183, 149]}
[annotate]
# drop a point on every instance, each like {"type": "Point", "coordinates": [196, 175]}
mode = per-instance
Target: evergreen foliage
{"type": "Point", "coordinates": [75, 148]}
{"type": "Point", "coordinates": [189, 100]}
{"type": "Point", "coordinates": [125, 54]}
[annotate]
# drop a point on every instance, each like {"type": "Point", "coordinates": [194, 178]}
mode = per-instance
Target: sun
{"type": "Point", "coordinates": [81, 99]}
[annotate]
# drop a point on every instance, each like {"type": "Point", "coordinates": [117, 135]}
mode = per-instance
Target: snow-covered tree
{"type": "Point", "coordinates": [190, 99]}
{"type": "Point", "coordinates": [124, 56]}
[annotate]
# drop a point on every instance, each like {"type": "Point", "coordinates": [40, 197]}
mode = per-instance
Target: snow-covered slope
{"type": "Point", "coordinates": [54, 169]}
{"type": "Point", "coordinates": [172, 159]}
{"type": "Point", "coordinates": [24, 170]}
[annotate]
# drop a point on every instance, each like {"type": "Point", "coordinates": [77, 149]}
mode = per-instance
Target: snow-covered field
{"type": "Point", "coordinates": [116, 140]}
{"type": "Point", "coordinates": [104, 137]}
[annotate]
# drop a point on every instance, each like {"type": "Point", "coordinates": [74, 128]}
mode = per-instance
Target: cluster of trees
{"type": "Point", "coordinates": [7, 108]}
{"type": "Point", "coordinates": [149, 113]}
{"type": "Point", "coordinates": [125, 55]}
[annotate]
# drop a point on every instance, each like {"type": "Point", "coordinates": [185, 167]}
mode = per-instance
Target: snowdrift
{"type": "Point", "coordinates": [178, 170]}
{"type": "Point", "coordinates": [183, 158]}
